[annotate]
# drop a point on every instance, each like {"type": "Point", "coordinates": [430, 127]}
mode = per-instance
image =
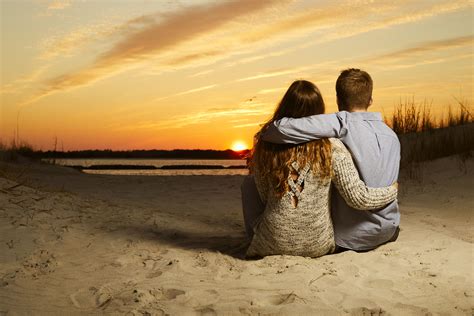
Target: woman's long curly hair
{"type": "Point", "coordinates": [273, 161]}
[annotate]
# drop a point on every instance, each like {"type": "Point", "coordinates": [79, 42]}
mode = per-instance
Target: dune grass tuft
{"type": "Point", "coordinates": [411, 117]}
{"type": "Point", "coordinates": [15, 150]}
{"type": "Point", "coordinates": [423, 137]}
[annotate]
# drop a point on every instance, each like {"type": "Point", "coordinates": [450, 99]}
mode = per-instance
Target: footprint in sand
{"type": "Point", "coordinates": [131, 295]}
{"type": "Point", "coordinates": [171, 294]}
{"type": "Point", "coordinates": [125, 294]}
{"type": "Point", "coordinates": [206, 311]}
{"type": "Point", "coordinates": [154, 266]}
{"type": "Point", "coordinates": [85, 298]}
{"type": "Point", "coordinates": [151, 263]}
{"type": "Point", "coordinates": [283, 299]}
{"type": "Point", "coordinates": [101, 297]}
{"type": "Point", "coordinates": [154, 274]}
{"type": "Point", "coordinates": [287, 299]}
{"type": "Point", "coordinates": [158, 267]}
{"type": "Point", "coordinates": [277, 300]}
{"type": "Point", "coordinates": [42, 262]}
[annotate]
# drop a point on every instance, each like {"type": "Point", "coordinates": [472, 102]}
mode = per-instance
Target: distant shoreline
{"type": "Point", "coordinates": [150, 167]}
{"type": "Point", "coordinates": [143, 154]}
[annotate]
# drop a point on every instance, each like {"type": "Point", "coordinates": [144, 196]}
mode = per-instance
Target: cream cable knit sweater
{"type": "Point", "coordinates": [306, 229]}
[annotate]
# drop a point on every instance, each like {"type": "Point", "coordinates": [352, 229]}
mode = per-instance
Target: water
{"type": "Point", "coordinates": [158, 163]}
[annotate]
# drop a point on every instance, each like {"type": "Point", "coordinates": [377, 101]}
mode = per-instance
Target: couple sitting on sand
{"type": "Point", "coordinates": [322, 183]}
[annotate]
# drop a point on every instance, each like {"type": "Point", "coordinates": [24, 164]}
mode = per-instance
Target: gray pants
{"type": "Point", "coordinates": [252, 205]}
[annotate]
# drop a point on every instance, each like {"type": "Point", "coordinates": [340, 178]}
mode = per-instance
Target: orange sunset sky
{"type": "Point", "coordinates": [145, 74]}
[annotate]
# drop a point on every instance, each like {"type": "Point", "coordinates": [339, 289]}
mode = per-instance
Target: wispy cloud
{"type": "Point", "coordinates": [432, 10]}
{"type": "Point", "coordinates": [343, 19]}
{"type": "Point", "coordinates": [23, 82]}
{"type": "Point", "coordinates": [54, 7]}
{"type": "Point", "coordinates": [186, 92]}
{"type": "Point", "coordinates": [244, 112]}
{"type": "Point", "coordinates": [201, 73]}
{"type": "Point", "coordinates": [321, 72]}
{"type": "Point", "coordinates": [425, 61]}
{"type": "Point", "coordinates": [108, 30]}
{"type": "Point", "coordinates": [324, 74]}
{"type": "Point", "coordinates": [59, 4]}
{"type": "Point", "coordinates": [154, 37]}
{"type": "Point", "coordinates": [182, 121]}
{"type": "Point", "coordinates": [245, 109]}
{"type": "Point", "coordinates": [272, 90]}
{"type": "Point", "coordinates": [73, 42]}
{"type": "Point", "coordinates": [269, 29]}
{"type": "Point", "coordinates": [166, 35]}
{"type": "Point", "coordinates": [248, 125]}
{"type": "Point", "coordinates": [195, 56]}
{"type": "Point", "coordinates": [408, 12]}
{"type": "Point", "coordinates": [320, 18]}
{"type": "Point", "coordinates": [432, 52]}
{"type": "Point", "coordinates": [274, 73]}
{"type": "Point", "coordinates": [423, 49]}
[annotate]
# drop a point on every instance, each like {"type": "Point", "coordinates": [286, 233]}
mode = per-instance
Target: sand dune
{"type": "Point", "coordinates": [73, 243]}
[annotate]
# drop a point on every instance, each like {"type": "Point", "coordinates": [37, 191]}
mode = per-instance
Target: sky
{"type": "Point", "coordinates": [201, 74]}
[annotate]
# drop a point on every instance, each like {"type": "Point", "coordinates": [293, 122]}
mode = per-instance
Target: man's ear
{"type": "Point", "coordinates": [370, 102]}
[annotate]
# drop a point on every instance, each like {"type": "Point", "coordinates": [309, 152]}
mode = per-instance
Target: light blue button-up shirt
{"type": "Point", "coordinates": [375, 149]}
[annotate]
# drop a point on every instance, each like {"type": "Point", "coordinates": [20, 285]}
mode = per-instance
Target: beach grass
{"type": "Point", "coordinates": [424, 137]}
{"type": "Point", "coordinates": [411, 117]}
{"type": "Point", "coordinates": [15, 149]}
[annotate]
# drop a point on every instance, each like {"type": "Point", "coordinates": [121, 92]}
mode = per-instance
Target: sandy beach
{"type": "Point", "coordinates": [74, 243]}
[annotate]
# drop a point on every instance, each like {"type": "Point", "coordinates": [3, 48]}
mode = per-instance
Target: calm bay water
{"type": "Point", "coordinates": [157, 163]}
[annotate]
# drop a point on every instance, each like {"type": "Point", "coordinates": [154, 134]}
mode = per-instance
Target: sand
{"type": "Point", "coordinates": [73, 243]}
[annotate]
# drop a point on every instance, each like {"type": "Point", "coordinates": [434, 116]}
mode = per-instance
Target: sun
{"type": "Point", "coordinates": [239, 145]}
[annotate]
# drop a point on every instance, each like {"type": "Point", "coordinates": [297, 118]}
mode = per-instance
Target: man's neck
{"type": "Point", "coordinates": [358, 110]}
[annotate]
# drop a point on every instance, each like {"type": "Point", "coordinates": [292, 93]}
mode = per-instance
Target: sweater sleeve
{"type": "Point", "coordinates": [304, 129]}
{"type": "Point", "coordinates": [354, 191]}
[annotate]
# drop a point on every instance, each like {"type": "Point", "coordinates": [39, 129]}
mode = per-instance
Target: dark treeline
{"type": "Point", "coordinates": [143, 154]}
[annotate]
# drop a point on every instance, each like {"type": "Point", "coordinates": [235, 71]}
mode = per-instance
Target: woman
{"type": "Point", "coordinates": [294, 184]}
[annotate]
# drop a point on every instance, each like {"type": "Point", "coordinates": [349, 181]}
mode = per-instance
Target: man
{"type": "Point", "coordinates": [376, 152]}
